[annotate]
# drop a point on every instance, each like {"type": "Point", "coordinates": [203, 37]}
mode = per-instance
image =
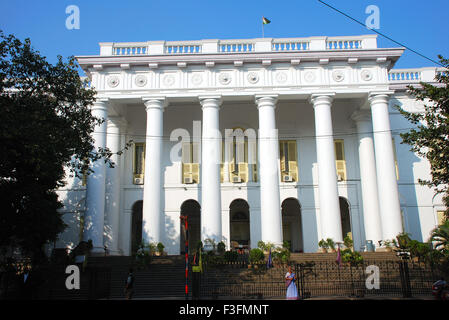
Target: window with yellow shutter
{"type": "Point", "coordinates": [289, 160]}
{"type": "Point", "coordinates": [190, 163]}
{"type": "Point", "coordinates": [238, 168]}
{"type": "Point", "coordinates": [139, 163]}
{"type": "Point", "coordinates": [340, 161]}
{"type": "Point", "coordinates": [441, 217]}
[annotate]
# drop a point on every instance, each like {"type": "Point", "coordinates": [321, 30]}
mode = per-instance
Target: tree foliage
{"type": "Point", "coordinates": [430, 137]}
{"type": "Point", "coordinates": [45, 127]}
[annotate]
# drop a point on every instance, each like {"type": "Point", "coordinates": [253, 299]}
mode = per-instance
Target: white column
{"type": "Point", "coordinates": [390, 210]}
{"type": "Point", "coordinates": [95, 187]}
{"type": "Point", "coordinates": [210, 170]}
{"type": "Point", "coordinates": [368, 178]}
{"type": "Point", "coordinates": [271, 219]}
{"type": "Point", "coordinates": [112, 211]}
{"type": "Point", "coordinates": [153, 215]}
{"type": "Point", "coordinates": [327, 172]}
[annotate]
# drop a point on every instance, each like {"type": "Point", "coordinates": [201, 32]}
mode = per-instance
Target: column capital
{"type": "Point", "coordinates": [361, 115]}
{"type": "Point", "coordinates": [320, 98]}
{"type": "Point", "coordinates": [210, 101]}
{"type": "Point", "coordinates": [155, 103]}
{"type": "Point", "coordinates": [117, 121]}
{"type": "Point", "coordinates": [100, 104]}
{"type": "Point", "coordinates": [266, 100]}
{"type": "Point", "coordinates": [379, 96]}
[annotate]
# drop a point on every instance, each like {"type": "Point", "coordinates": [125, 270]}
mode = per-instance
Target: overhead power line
{"type": "Point", "coordinates": [381, 34]}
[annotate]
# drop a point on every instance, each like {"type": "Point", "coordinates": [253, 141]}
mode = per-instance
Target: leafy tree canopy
{"type": "Point", "coordinates": [430, 137]}
{"type": "Point", "coordinates": [45, 127]}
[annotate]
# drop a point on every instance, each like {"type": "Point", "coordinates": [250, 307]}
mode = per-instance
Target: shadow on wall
{"type": "Point", "coordinates": [407, 182]}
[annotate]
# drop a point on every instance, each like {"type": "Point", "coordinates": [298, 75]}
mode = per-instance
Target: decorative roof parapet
{"type": "Point", "coordinates": [214, 46]}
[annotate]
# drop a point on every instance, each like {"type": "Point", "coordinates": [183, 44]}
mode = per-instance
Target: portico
{"type": "Point", "coordinates": [298, 92]}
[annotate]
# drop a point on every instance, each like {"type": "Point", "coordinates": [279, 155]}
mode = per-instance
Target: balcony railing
{"type": "Point", "coordinates": [238, 46]}
{"type": "Point", "coordinates": [414, 75]}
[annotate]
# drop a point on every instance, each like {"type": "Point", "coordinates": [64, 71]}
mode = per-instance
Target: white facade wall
{"type": "Point", "coordinates": [293, 83]}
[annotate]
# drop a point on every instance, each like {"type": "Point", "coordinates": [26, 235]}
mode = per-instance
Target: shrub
{"type": "Point", "coordinates": [221, 247]}
{"type": "Point", "coordinates": [160, 247]}
{"type": "Point", "coordinates": [261, 245]}
{"type": "Point", "coordinates": [256, 255]}
{"type": "Point", "coordinates": [323, 244]}
{"type": "Point", "coordinates": [330, 243]}
{"type": "Point", "coordinates": [353, 258]}
{"type": "Point", "coordinates": [231, 256]}
{"type": "Point", "coordinates": [348, 242]}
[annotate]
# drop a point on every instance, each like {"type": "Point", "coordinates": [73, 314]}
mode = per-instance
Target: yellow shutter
{"type": "Point", "coordinates": [139, 161]}
{"type": "Point", "coordinates": [288, 159]}
{"type": "Point", "coordinates": [196, 172]}
{"type": "Point", "coordinates": [441, 217]}
{"type": "Point", "coordinates": [282, 157]}
{"type": "Point", "coordinates": [190, 165]}
{"type": "Point", "coordinates": [340, 161]}
{"type": "Point", "coordinates": [292, 160]}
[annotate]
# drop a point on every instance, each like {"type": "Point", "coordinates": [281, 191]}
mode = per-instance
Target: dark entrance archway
{"type": "Point", "coordinates": [136, 225]}
{"type": "Point", "coordinates": [345, 217]}
{"type": "Point", "coordinates": [239, 223]}
{"type": "Point", "coordinates": [292, 224]}
{"type": "Point", "coordinates": [191, 209]}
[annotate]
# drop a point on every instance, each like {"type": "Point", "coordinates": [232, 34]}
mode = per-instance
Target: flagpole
{"type": "Point", "coordinates": [263, 33]}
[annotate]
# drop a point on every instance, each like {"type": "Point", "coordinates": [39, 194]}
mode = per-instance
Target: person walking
{"type": "Point", "coordinates": [290, 283]}
{"type": "Point", "coordinates": [129, 285]}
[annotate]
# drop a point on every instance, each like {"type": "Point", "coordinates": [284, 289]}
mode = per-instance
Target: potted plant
{"type": "Point", "coordinates": [347, 241]}
{"type": "Point", "coordinates": [160, 249]}
{"type": "Point", "coordinates": [331, 244]}
{"type": "Point", "coordinates": [209, 244]}
{"type": "Point", "coordinates": [221, 248]}
{"type": "Point", "coordinates": [323, 246]}
{"type": "Point", "coordinates": [255, 256]}
{"type": "Point", "coordinates": [152, 248]}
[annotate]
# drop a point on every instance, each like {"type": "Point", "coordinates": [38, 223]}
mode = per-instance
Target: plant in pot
{"type": "Point", "coordinates": [160, 249]}
{"type": "Point", "coordinates": [262, 246]}
{"type": "Point", "coordinates": [152, 247]}
{"type": "Point", "coordinates": [221, 248]}
{"type": "Point", "coordinates": [323, 246]}
{"type": "Point", "coordinates": [256, 256]}
{"type": "Point", "coordinates": [331, 244]}
{"type": "Point", "coordinates": [347, 241]}
{"type": "Point", "coordinates": [209, 244]}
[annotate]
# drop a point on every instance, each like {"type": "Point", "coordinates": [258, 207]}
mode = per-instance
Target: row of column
{"type": "Point", "coordinates": [382, 215]}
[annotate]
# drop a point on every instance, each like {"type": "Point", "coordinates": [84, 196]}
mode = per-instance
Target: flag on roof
{"type": "Point", "coordinates": [265, 20]}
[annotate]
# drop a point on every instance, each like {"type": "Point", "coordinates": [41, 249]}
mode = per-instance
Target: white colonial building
{"type": "Point", "coordinates": [256, 139]}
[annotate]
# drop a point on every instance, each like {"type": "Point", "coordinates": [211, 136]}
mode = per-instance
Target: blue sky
{"type": "Point", "coordinates": [420, 25]}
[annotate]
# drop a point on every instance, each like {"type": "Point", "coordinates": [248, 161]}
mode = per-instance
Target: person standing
{"type": "Point", "coordinates": [129, 285]}
{"type": "Point", "coordinates": [290, 283]}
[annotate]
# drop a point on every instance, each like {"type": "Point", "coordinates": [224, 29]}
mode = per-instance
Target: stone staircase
{"type": "Point", "coordinates": [332, 256]}
{"type": "Point", "coordinates": [163, 278]}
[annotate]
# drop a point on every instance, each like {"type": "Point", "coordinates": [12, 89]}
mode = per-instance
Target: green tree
{"type": "Point", "coordinates": [430, 138]}
{"type": "Point", "coordinates": [440, 236]}
{"type": "Point", "coordinates": [45, 127]}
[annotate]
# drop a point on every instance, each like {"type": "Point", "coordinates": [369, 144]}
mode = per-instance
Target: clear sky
{"type": "Point", "coordinates": [421, 25]}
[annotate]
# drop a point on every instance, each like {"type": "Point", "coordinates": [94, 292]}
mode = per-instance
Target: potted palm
{"type": "Point", "coordinates": [160, 249]}
{"type": "Point", "coordinates": [323, 246]}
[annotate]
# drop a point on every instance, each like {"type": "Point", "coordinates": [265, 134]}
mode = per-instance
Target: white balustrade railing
{"type": "Point", "coordinates": [290, 45]}
{"type": "Point", "coordinates": [129, 50]}
{"type": "Point", "coordinates": [182, 47]}
{"type": "Point", "coordinates": [238, 45]}
{"type": "Point", "coordinates": [343, 44]}
{"type": "Point", "coordinates": [405, 75]}
{"type": "Point", "coordinates": [414, 75]}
